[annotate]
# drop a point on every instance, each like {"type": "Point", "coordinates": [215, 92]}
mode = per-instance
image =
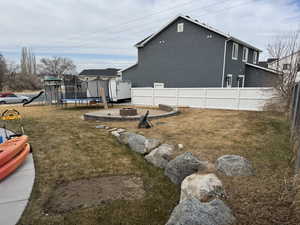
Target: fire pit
{"type": "Point", "coordinates": [128, 112]}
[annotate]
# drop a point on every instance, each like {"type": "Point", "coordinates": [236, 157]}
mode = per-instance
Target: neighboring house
{"type": "Point", "coordinates": [98, 78]}
{"type": "Point", "coordinates": [100, 73]}
{"type": "Point", "coordinates": [187, 53]}
{"type": "Point", "coordinates": [286, 64]}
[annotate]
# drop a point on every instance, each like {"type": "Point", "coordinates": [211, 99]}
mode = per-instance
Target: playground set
{"type": "Point", "coordinates": [81, 90]}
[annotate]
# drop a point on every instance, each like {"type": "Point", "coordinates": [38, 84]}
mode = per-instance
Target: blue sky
{"type": "Point", "coordinates": [100, 34]}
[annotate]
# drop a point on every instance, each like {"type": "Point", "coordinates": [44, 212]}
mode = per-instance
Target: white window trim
{"type": "Point", "coordinates": [247, 53]}
{"type": "Point", "coordinates": [180, 27]}
{"type": "Point", "coordinates": [229, 86]}
{"type": "Point", "coordinates": [255, 55]}
{"type": "Point", "coordinates": [243, 84]}
{"type": "Point", "coordinates": [235, 46]}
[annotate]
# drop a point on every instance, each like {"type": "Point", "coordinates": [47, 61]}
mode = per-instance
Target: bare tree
{"type": "Point", "coordinates": [15, 80]}
{"type": "Point", "coordinates": [57, 66]}
{"type": "Point", "coordinates": [285, 50]}
{"type": "Point", "coordinates": [28, 62]}
{"type": "Point", "coordinates": [3, 71]}
{"type": "Point", "coordinates": [13, 71]}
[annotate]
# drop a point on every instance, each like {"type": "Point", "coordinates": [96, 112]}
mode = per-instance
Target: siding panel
{"type": "Point", "coordinates": [187, 59]}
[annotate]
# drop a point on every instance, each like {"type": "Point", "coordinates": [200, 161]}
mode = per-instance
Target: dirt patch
{"type": "Point", "coordinates": [90, 192]}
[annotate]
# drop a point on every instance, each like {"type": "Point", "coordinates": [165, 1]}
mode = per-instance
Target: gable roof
{"type": "Point", "coordinates": [203, 25]}
{"type": "Point", "coordinates": [109, 72]}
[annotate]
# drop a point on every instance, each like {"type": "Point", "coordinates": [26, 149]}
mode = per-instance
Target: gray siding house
{"type": "Point", "coordinates": [187, 53]}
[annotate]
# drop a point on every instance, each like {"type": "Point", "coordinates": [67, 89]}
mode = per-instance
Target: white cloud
{"type": "Point", "coordinates": [112, 27]}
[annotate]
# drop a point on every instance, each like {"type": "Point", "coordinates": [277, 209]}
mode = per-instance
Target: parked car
{"type": "Point", "coordinates": [9, 97]}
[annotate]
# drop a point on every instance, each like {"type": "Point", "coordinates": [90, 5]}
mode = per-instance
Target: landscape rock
{"type": "Point", "coordinates": [193, 212]}
{"type": "Point", "coordinates": [137, 143]}
{"type": "Point", "coordinates": [183, 166]}
{"type": "Point", "coordinates": [115, 133]}
{"type": "Point", "coordinates": [234, 165]}
{"type": "Point", "coordinates": [121, 130]}
{"type": "Point", "coordinates": [123, 138]}
{"type": "Point", "coordinates": [112, 129]}
{"type": "Point", "coordinates": [100, 127]}
{"type": "Point", "coordinates": [160, 156]}
{"type": "Point", "coordinates": [180, 146]}
{"type": "Point", "coordinates": [203, 187]}
{"type": "Point", "coordinates": [151, 144]}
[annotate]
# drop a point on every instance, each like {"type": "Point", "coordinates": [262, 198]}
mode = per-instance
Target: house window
{"type": "Point", "coordinates": [241, 81]}
{"type": "Point", "coordinates": [180, 27]}
{"type": "Point", "coordinates": [254, 57]}
{"type": "Point", "coordinates": [286, 66]}
{"type": "Point", "coordinates": [245, 54]}
{"type": "Point", "coordinates": [235, 51]}
{"type": "Point", "coordinates": [229, 81]}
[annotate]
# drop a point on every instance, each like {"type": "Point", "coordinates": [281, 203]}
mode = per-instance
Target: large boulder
{"type": "Point", "coordinates": [201, 186]}
{"type": "Point", "coordinates": [151, 144]}
{"type": "Point", "coordinates": [124, 137]}
{"type": "Point", "coordinates": [234, 165]}
{"type": "Point", "coordinates": [137, 143]}
{"type": "Point", "coordinates": [160, 156]}
{"type": "Point", "coordinates": [183, 166]}
{"type": "Point", "coordinates": [193, 212]}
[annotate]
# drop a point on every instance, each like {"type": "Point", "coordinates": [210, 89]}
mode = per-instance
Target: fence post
{"type": "Point", "coordinates": [177, 97]}
{"type": "Point", "coordinates": [295, 109]}
{"type": "Point", "coordinates": [153, 98]}
{"type": "Point", "coordinates": [292, 104]}
{"type": "Point", "coordinates": [238, 98]}
{"type": "Point", "coordinates": [205, 99]}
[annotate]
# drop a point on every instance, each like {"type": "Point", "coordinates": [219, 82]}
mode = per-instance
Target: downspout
{"type": "Point", "coordinates": [224, 61]}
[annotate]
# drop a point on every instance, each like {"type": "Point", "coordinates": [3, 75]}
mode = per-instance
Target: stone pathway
{"type": "Point", "coordinates": [15, 191]}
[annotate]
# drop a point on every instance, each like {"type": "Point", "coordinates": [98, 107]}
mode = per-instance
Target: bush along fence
{"type": "Point", "coordinates": [202, 193]}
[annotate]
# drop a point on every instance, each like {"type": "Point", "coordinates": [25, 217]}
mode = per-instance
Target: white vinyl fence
{"type": "Point", "coordinates": [210, 98]}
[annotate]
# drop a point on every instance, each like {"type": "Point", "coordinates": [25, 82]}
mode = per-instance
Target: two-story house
{"type": "Point", "coordinates": [187, 53]}
{"type": "Point", "coordinates": [287, 64]}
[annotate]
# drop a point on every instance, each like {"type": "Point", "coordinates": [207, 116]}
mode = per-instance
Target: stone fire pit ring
{"type": "Point", "coordinates": [128, 112]}
{"type": "Point", "coordinates": [117, 114]}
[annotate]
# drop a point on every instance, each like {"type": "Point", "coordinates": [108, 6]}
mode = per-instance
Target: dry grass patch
{"type": "Point", "coordinates": [92, 192]}
{"type": "Point", "coordinates": [68, 149]}
{"type": "Point", "coordinates": [261, 137]}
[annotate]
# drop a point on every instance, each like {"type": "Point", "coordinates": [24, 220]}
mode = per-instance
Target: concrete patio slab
{"type": "Point", "coordinates": [11, 212]}
{"type": "Point", "coordinates": [15, 191]}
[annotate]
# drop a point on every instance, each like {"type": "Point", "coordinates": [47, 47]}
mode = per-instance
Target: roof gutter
{"type": "Point", "coordinates": [224, 61]}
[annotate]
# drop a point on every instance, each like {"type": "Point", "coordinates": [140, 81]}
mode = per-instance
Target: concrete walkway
{"type": "Point", "coordinates": [15, 191]}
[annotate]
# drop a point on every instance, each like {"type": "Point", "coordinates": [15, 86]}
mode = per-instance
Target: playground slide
{"type": "Point", "coordinates": [32, 99]}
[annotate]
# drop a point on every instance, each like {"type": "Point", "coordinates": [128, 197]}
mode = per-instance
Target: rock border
{"type": "Point", "coordinates": [214, 193]}
{"type": "Point", "coordinates": [169, 112]}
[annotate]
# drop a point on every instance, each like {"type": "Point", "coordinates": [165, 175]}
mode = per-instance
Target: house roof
{"type": "Point", "coordinates": [262, 68]}
{"type": "Point", "coordinates": [109, 72]}
{"type": "Point", "coordinates": [129, 67]}
{"type": "Point", "coordinates": [52, 78]}
{"type": "Point", "coordinates": [227, 36]}
{"type": "Point", "coordinates": [275, 60]}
